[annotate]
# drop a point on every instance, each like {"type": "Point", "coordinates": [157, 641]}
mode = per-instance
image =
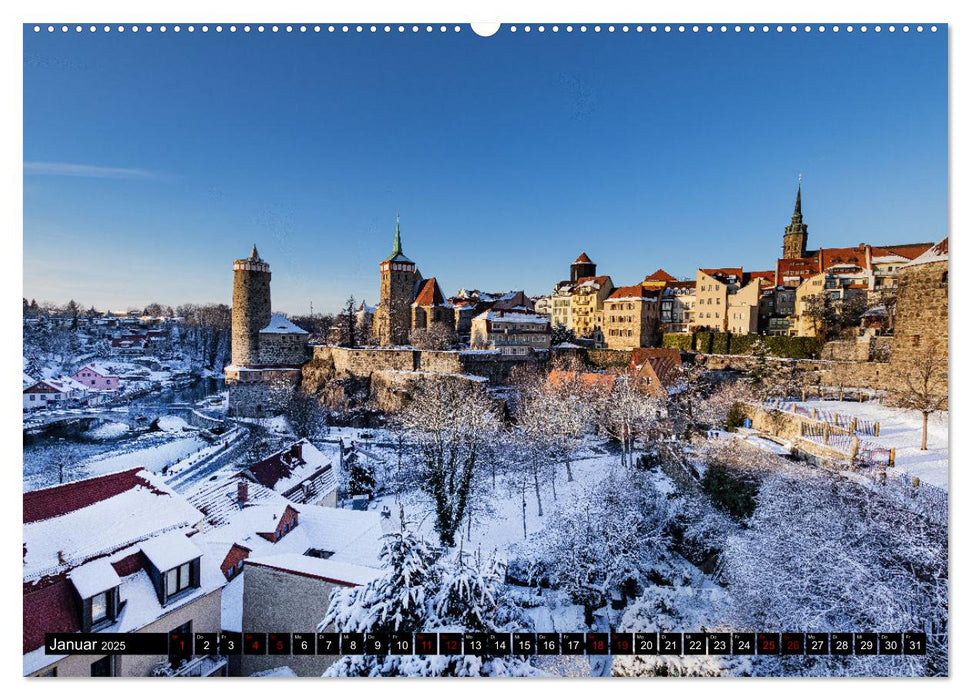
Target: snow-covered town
{"type": "Point", "coordinates": [360, 487]}
{"type": "Point", "coordinates": [670, 434]}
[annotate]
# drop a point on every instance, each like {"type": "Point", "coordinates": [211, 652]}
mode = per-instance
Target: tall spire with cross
{"type": "Point", "coordinates": [797, 233]}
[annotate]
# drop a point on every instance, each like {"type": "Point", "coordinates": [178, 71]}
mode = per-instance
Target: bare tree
{"type": "Point", "coordinates": [627, 413]}
{"type": "Point", "coordinates": [439, 336]}
{"type": "Point", "coordinates": [925, 386]}
{"type": "Point", "coordinates": [450, 420]}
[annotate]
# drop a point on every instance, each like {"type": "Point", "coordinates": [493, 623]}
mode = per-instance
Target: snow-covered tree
{"type": "Point", "coordinates": [627, 413]}
{"type": "Point", "coordinates": [449, 421]}
{"type": "Point", "coordinates": [608, 539]}
{"type": "Point", "coordinates": [924, 387]}
{"type": "Point", "coordinates": [420, 591]}
{"type": "Point", "coordinates": [826, 554]}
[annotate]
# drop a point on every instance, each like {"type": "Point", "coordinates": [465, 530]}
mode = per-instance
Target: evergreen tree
{"type": "Point", "coordinates": [361, 481]}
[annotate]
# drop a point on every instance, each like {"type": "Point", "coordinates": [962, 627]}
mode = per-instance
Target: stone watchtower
{"type": "Point", "coordinates": [797, 233]}
{"type": "Point", "coordinates": [251, 308]}
{"type": "Point", "coordinates": [583, 266]}
{"type": "Point", "coordinates": [399, 278]}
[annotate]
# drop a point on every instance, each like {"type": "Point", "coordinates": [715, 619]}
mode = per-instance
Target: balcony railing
{"type": "Point", "coordinates": [201, 667]}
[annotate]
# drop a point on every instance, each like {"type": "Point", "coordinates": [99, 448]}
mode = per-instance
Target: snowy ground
{"type": "Point", "coordinates": [902, 429]}
{"type": "Point", "coordinates": [153, 457]}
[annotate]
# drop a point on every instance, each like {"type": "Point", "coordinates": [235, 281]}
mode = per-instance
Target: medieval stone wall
{"type": "Point", "coordinates": [283, 349]}
{"type": "Point", "coordinates": [920, 323]}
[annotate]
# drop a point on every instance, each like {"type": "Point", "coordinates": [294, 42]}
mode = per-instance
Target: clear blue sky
{"type": "Point", "coordinates": [153, 160]}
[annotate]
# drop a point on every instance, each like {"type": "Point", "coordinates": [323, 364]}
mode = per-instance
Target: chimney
{"type": "Point", "coordinates": [242, 492]}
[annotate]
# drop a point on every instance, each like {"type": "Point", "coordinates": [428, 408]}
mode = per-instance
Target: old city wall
{"type": "Point", "coordinates": [921, 320]}
{"type": "Point", "coordinates": [876, 376]}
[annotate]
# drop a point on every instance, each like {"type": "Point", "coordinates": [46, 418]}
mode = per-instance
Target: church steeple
{"type": "Point", "coordinates": [254, 256]}
{"type": "Point", "coordinates": [797, 233]}
{"type": "Point", "coordinates": [396, 250]}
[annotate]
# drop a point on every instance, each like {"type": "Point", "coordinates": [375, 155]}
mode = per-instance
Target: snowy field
{"type": "Point", "coordinates": [902, 429]}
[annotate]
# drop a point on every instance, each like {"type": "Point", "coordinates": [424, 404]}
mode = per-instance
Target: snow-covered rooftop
{"type": "Point", "coordinates": [170, 550]}
{"type": "Point", "coordinates": [327, 569]}
{"type": "Point", "coordinates": [280, 324]}
{"type": "Point", "coordinates": [94, 577]}
{"type": "Point", "coordinates": [61, 538]}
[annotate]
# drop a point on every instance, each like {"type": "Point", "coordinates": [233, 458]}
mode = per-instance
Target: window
{"type": "Point", "coordinates": [99, 608]}
{"type": "Point", "coordinates": [178, 579]}
{"type": "Point", "coordinates": [103, 667]}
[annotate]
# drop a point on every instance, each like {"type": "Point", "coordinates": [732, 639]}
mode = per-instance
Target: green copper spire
{"type": "Point", "coordinates": [396, 253]}
{"type": "Point", "coordinates": [397, 237]}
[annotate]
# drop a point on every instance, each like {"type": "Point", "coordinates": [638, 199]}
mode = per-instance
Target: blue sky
{"type": "Point", "coordinates": [153, 160]}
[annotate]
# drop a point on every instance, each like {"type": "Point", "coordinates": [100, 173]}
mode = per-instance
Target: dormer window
{"type": "Point", "coordinates": [97, 585]}
{"type": "Point", "coordinates": [174, 566]}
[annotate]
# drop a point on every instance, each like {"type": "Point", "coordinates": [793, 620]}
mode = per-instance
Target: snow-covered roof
{"type": "Point", "coordinates": [219, 500]}
{"type": "Point", "coordinates": [327, 569]}
{"type": "Point", "coordinates": [69, 524]}
{"type": "Point", "coordinates": [94, 577]}
{"type": "Point", "coordinates": [170, 550]}
{"type": "Point", "coordinates": [512, 317]}
{"type": "Point", "coordinates": [280, 324]}
{"type": "Point", "coordinates": [299, 464]}
{"type": "Point", "coordinates": [936, 253]}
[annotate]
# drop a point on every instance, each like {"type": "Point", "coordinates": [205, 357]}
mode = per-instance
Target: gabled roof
{"type": "Point", "coordinates": [641, 355]}
{"type": "Point", "coordinates": [582, 258]}
{"type": "Point", "coordinates": [301, 463]}
{"type": "Point", "coordinates": [828, 257]}
{"type": "Point", "coordinates": [219, 500]}
{"type": "Point", "coordinates": [595, 282]}
{"type": "Point", "coordinates": [660, 275]}
{"type": "Point", "coordinates": [723, 272]}
{"type": "Point", "coordinates": [635, 291]}
{"type": "Point", "coordinates": [429, 294]}
{"type": "Point", "coordinates": [45, 386]}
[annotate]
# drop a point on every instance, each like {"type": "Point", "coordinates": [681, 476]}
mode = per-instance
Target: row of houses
{"type": "Point", "coordinates": [90, 384]}
{"type": "Point", "coordinates": [261, 549]}
{"type": "Point", "coordinates": [727, 299]}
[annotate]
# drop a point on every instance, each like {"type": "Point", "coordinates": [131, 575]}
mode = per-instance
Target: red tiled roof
{"type": "Point", "coordinates": [599, 279]}
{"type": "Point", "coordinates": [683, 284]}
{"type": "Point", "coordinates": [905, 250]}
{"type": "Point", "coordinates": [278, 466]}
{"type": "Point", "coordinates": [723, 271]}
{"type": "Point", "coordinates": [659, 275]}
{"type": "Point", "coordinates": [641, 355]}
{"type": "Point", "coordinates": [50, 607]}
{"type": "Point", "coordinates": [666, 369]}
{"type": "Point", "coordinates": [429, 294]}
{"type": "Point", "coordinates": [583, 259]}
{"type": "Point", "coordinates": [635, 291]}
{"type": "Point", "coordinates": [55, 501]}
{"type": "Point", "coordinates": [590, 380]}
{"type": "Point", "coordinates": [842, 256]}
{"type": "Point", "coordinates": [761, 274]}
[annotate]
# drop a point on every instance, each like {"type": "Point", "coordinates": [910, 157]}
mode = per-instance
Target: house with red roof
{"type": "Point", "coordinates": [632, 317]}
{"type": "Point", "coordinates": [117, 553]}
{"type": "Point", "coordinates": [301, 473]}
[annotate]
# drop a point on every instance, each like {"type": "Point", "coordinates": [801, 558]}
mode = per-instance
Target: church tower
{"type": "Point", "coordinates": [251, 308]}
{"type": "Point", "coordinates": [797, 233]}
{"type": "Point", "coordinates": [399, 278]}
{"type": "Point", "coordinates": [583, 266]}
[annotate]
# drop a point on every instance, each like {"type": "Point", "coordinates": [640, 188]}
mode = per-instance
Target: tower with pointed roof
{"type": "Point", "coordinates": [251, 307]}
{"type": "Point", "coordinates": [399, 280]}
{"type": "Point", "coordinates": [797, 233]}
{"type": "Point", "coordinates": [583, 266]}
